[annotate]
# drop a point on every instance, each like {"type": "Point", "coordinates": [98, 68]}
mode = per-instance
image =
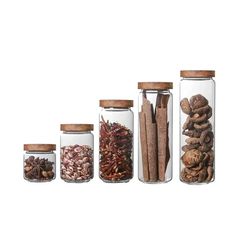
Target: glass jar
{"type": "Point", "coordinates": [197, 127]}
{"type": "Point", "coordinates": [155, 132]}
{"type": "Point", "coordinates": [116, 141]}
{"type": "Point", "coordinates": [39, 162]}
{"type": "Point", "coordinates": [77, 152]}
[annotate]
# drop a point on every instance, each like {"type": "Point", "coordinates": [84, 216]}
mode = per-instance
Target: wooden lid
{"type": "Point", "coordinates": [116, 103]}
{"type": "Point", "coordinates": [155, 85]}
{"type": "Point", "coordinates": [40, 147]}
{"type": "Point", "coordinates": [76, 127]}
{"type": "Point", "coordinates": [197, 73]}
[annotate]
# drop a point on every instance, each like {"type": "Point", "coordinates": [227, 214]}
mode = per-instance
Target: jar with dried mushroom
{"type": "Point", "coordinates": [155, 132]}
{"type": "Point", "coordinates": [116, 141]}
{"type": "Point", "coordinates": [197, 127]}
{"type": "Point", "coordinates": [77, 152]}
{"type": "Point", "coordinates": [39, 162]}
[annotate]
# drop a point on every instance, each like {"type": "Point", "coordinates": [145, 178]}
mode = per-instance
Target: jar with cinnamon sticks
{"type": "Point", "coordinates": [197, 126]}
{"type": "Point", "coordinates": [116, 141]}
{"type": "Point", "coordinates": [155, 132]}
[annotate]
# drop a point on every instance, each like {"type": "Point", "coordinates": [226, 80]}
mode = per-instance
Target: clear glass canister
{"type": "Point", "coordinates": [197, 127]}
{"type": "Point", "coordinates": [116, 141]}
{"type": "Point", "coordinates": [39, 162]}
{"type": "Point", "coordinates": [77, 143]}
{"type": "Point", "coordinates": [155, 132]}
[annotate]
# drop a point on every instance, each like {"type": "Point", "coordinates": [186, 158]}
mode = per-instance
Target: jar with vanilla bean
{"type": "Point", "coordinates": [116, 141]}
{"type": "Point", "coordinates": [197, 127]}
{"type": "Point", "coordinates": [77, 152]}
{"type": "Point", "coordinates": [155, 132]}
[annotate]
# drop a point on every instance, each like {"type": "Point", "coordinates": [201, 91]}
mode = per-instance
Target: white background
{"type": "Point", "coordinates": [58, 58]}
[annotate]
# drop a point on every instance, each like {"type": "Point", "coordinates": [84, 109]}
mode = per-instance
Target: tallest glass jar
{"type": "Point", "coordinates": [116, 141]}
{"type": "Point", "coordinates": [197, 126]}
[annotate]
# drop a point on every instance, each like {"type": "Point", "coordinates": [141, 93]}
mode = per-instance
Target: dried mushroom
{"type": "Point", "coordinates": [185, 106]}
{"type": "Point", "coordinates": [198, 101]}
{"type": "Point", "coordinates": [198, 157]}
{"type": "Point", "coordinates": [192, 158]}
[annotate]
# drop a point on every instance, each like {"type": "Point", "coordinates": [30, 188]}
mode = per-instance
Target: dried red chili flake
{"type": "Point", "coordinates": [116, 144]}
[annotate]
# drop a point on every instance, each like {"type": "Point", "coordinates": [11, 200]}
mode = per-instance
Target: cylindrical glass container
{"type": "Point", "coordinates": [155, 132]}
{"type": "Point", "coordinates": [39, 162]}
{"type": "Point", "coordinates": [197, 127]}
{"type": "Point", "coordinates": [77, 152]}
{"type": "Point", "coordinates": [116, 141]}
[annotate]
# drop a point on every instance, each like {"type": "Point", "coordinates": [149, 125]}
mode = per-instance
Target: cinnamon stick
{"type": "Point", "coordinates": [162, 134]}
{"type": "Point", "coordinates": [151, 140]}
{"type": "Point", "coordinates": [143, 140]}
{"type": "Point", "coordinates": [167, 147]}
{"type": "Point", "coordinates": [162, 141]}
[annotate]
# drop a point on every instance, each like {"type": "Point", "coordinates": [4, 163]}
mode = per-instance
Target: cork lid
{"type": "Point", "coordinates": [40, 147]}
{"type": "Point", "coordinates": [116, 103]}
{"type": "Point", "coordinates": [155, 85]}
{"type": "Point", "coordinates": [76, 127]}
{"type": "Point", "coordinates": [197, 73]}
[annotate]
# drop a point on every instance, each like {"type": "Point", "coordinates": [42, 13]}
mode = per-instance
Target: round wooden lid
{"type": "Point", "coordinates": [197, 73]}
{"type": "Point", "coordinates": [155, 85]}
{"type": "Point", "coordinates": [116, 103]}
{"type": "Point", "coordinates": [76, 127]}
{"type": "Point", "coordinates": [40, 147]}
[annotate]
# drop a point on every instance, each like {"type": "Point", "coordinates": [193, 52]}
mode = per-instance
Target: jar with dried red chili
{"type": "Point", "coordinates": [116, 141]}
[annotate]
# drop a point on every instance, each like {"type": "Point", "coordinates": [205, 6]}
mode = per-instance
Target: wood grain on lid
{"type": "Point", "coordinates": [155, 85]}
{"type": "Point", "coordinates": [76, 127]}
{"type": "Point", "coordinates": [116, 103]}
{"type": "Point", "coordinates": [40, 147]}
{"type": "Point", "coordinates": [197, 73]}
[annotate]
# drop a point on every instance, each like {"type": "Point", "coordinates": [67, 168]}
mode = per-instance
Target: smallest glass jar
{"type": "Point", "coordinates": [39, 162]}
{"type": "Point", "coordinates": [77, 143]}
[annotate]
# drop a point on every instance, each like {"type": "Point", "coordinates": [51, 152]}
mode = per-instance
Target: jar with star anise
{"type": "Point", "coordinates": [197, 126]}
{"type": "Point", "coordinates": [39, 162]}
{"type": "Point", "coordinates": [116, 141]}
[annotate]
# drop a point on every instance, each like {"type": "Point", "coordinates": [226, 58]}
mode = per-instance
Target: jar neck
{"type": "Point", "coordinates": [117, 109]}
{"type": "Point", "coordinates": [161, 91]}
{"type": "Point", "coordinates": [39, 152]}
{"type": "Point", "coordinates": [197, 79]}
{"type": "Point", "coordinates": [76, 132]}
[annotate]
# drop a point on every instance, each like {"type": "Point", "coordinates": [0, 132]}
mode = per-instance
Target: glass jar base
{"type": "Point", "coordinates": [115, 181]}
{"type": "Point", "coordinates": [76, 181]}
{"type": "Point", "coordinates": [38, 181]}
{"type": "Point", "coordinates": [155, 182]}
{"type": "Point", "coordinates": [196, 183]}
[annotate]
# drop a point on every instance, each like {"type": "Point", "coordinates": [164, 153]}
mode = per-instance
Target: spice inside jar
{"type": "Point", "coordinates": [197, 126]}
{"type": "Point", "coordinates": [155, 132]}
{"type": "Point", "coordinates": [116, 141]}
{"type": "Point", "coordinates": [77, 152]}
{"type": "Point", "coordinates": [39, 162]}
